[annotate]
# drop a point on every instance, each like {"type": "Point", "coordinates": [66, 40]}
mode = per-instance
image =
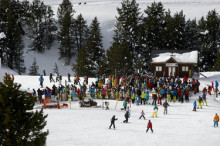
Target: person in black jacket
{"type": "Point", "coordinates": [113, 122]}
{"type": "Point", "coordinates": [165, 105]}
{"type": "Point", "coordinates": [126, 117]}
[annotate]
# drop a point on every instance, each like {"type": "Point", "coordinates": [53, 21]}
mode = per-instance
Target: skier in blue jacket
{"type": "Point", "coordinates": [147, 97]}
{"type": "Point", "coordinates": [194, 105]}
{"type": "Point", "coordinates": [216, 88]}
{"type": "Point", "coordinates": [41, 79]}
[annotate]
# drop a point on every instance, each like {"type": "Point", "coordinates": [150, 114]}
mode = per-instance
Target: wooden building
{"type": "Point", "coordinates": [174, 62]}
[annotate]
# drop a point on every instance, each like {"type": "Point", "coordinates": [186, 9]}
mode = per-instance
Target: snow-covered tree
{"type": "Point", "coordinates": [56, 69]}
{"type": "Point", "coordinates": [33, 70]}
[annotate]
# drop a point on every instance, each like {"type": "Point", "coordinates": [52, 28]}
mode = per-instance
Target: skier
{"type": "Point", "coordinates": [149, 125]}
{"type": "Point", "coordinates": [51, 77]}
{"type": "Point", "coordinates": [194, 105]}
{"type": "Point", "coordinates": [204, 99]}
{"type": "Point", "coordinates": [44, 72]}
{"type": "Point", "coordinates": [68, 75]}
{"type": "Point", "coordinates": [125, 104]}
{"type": "Point", "coordinates": [142, 115]}
{"type": "Point", "coordinates": [147, 97]}
{"type": "Point", "coordinates": [137, 100]}
{"type": "Point", "coordinates": [126, 117]}
{"type": "Point", "coordinates": [107, 105]}
{"type": "Point", "coordinates": [155, 111]}
{"type": "Point", "coordinates": [216, 120]}
{"type": "Point", "coordinates": [216, 88]}
{"type": "Point", "coordinates": [200, 102]}
{"type": "Point", "coordinates": [174, 95]}
{"type": "Point", "coordinates": [154, 99]}
{"type": "Point", "coordinates": [113, 122]}
{"type": "Point", "coordinates": [41, 79]}
{"type": "Point", "coordinates": [165, 105]}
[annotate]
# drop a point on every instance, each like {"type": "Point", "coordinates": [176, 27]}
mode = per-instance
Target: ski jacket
{"type": "Point", "coordinates": [194, 104]}
{"type": "Point", "coordinates": [155, 108]}
{"type": "Point", "coordinates": [143, 95]}
{"type": "Point", "coordinates": [216, 118]}
{"type": "Point", "coordinates": [41, 79]}
{"type": "Point", "coordinates": [165, 104]}
{"type": "Point", "coordinates": [103, 92]}
{"type": "Point", "coordinates": [113, 119]}
{"type": "Point", "coordinates": [125, 103]}
{"type": "Point", "coordinates": [147, 96]}
{"type": "Point", "coordinates": [149, 125]}
{"type": "Point", "coordinates": [174, 93]}
{"type": "Point", "coordinates": [142, 113]}
{"type": "Point", "coordinates": [216, 84]}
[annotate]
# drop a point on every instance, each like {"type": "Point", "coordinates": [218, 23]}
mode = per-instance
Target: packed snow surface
{"type": "Point", "coordinates": [189, 57]}
{"type": "Point", "coordinates": [89, 126]}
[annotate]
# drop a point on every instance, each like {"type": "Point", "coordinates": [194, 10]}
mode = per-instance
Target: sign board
{"type": "Point", "coordinates": [172, 64]}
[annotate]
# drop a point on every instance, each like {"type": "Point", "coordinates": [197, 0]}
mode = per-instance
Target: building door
{"type": "Point", "coordinates": [171, 71]}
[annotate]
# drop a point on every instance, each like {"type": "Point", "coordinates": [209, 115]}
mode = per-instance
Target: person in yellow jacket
{"type": "Point", "coordinates": [216, 120]}
{"type": "Point", "coordinates": [143, 97]}
{"type": "Point", "coordinates": [133, 98]}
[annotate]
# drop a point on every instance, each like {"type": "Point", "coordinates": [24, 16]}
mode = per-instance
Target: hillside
{"type": "Point", "coordinates": [106, 12]}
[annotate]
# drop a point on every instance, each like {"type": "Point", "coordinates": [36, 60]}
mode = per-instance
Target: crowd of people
{"type": "Point", "coordinates": [136, 89]}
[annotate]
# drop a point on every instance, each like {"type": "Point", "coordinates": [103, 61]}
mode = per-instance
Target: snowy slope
{"type": "Point", "coordinates": [89, 126]}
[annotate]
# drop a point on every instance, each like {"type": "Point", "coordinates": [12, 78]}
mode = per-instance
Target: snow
{"type": "Point", "coordinates": [189, 57]}
{"type": "Point", "coordinates": [89, 126]}
{"type": "Point", "coordinates": [2, 35]}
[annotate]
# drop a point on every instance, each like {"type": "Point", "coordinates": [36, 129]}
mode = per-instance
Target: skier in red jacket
{"type": "Point", "coordinates": [149, 125]}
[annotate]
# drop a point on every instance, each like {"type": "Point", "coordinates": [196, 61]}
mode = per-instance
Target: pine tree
{"type": "Point", "coordinates": [217, 63]}
{"type": "Point", "coordinates": [154, 26]}
{"type": "Point", "coordinates": [13, 30]}
{"type": "Point", "coordinates": [20, 124]}
{"type": "Point", "coordinates": [119, 59]}
{"type": "Point", "coordinates": [94, 47]}
{"type": "Point", "coordinates": [81, 32]}
{"type": "Point", "coordinates": [82, 63]}
{"type": "Point", "coordinates": [33, 70]}
{"type": "Point", "coordinates": [208, 39]}
{"type": "Point", "coordinates": [127, 26]}
{"type": "Point", "coordinates": [65, 19]}
{"type": "Point", "coordinates": [41, 26]}
{"type": "Point", "coordinates": [56, 69]}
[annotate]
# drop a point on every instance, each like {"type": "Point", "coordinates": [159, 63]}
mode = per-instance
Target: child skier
{"type": "Point", "coordinates": [216, 120]}
{"type": "Point", "coordinates": [107, 105]}
{"type": "Point", "coordinates": [194, 105]}
{"type": "Point", "coordinates": [149, 125]}
{"type": "Point", "coordinates": [113, 119]}
{"type": "Point", "coordinates": [126, 117]}
{"type": "Point", "coordinates": [142, 115]}
{"type": "Point", "coordinates": [155, 111]}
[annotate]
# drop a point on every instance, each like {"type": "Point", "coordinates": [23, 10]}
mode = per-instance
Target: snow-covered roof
{"type": "Point", "coordinates": [181, 56]}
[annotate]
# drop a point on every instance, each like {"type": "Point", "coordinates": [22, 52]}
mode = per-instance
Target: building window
{"type": "Point", "coordinates": [158, 68]}
{"type": "Point", "coordinates": [185, 68]}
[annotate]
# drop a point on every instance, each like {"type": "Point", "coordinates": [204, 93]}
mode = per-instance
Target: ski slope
{"type": "Point", "coordinates": [89, 126]}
